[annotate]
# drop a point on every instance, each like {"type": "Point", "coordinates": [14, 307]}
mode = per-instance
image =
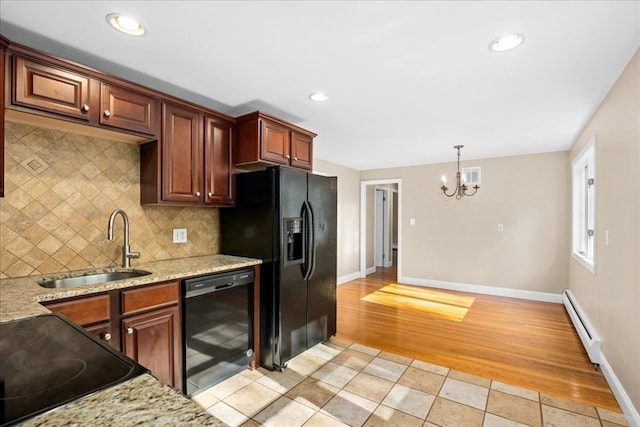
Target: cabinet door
{"type": "Point", "coordinates": [103, 332]}
{"type": "Point", "coordinates": [51, 89]}
{"type": "Point", "coordinates": [126, 109]}
{"type": "Point", "coordinates": [218, 172]}
{"type": "Point", "coordinates": [301, 150]}
{"type": "Point", "coordinates": [274, 142]}
{"type": "Point", "coordinates": [154, 340]}
{"type": "Point", "coordinates": [181, 155]}
{"type": "Point", "coordinates": [92, 313]}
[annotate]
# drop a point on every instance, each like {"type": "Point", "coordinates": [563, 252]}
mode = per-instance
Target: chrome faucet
{"type": "Point", "coordinates": [126, 254]}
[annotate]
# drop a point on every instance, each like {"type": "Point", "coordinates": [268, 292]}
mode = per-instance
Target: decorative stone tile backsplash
{"type": "Point", "coordinates": [60, 189]}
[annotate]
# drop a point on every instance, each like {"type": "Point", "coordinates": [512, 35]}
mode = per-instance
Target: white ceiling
{"type": "Point", "coordinates": [406, 80]}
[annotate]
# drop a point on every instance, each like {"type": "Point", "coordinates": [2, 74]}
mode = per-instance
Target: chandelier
{"type": "Point", "coordinates": [461, 188]}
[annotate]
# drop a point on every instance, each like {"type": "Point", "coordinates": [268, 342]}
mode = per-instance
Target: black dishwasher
{"type": "Point", "coordinates": [218, 328]}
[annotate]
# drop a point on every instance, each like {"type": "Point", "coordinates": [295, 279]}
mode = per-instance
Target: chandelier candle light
{"type": "Point", "coordinates": [461, 188]}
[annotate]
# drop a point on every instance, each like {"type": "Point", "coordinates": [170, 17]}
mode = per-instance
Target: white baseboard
{"type": "Point", "coordinates": [482, 289]}
{"type": "Point", "coordinates": [347, 278]}
{"type": "Point", "coordinates": [633, 417]}
{"type": "Point", "coordinates": [371, 270]}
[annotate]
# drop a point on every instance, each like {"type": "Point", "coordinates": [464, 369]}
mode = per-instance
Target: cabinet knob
{"type": "Point", "coordinates": [107, 113]}
{"type": "Point", "coordinates": [197, 194]}
{"type": "Point", "coordinates": [129, 331]}
{"type": "Point", "coordinates": [210, 194]}
{"type": "Point", "coordinates": [288, 156]}
{"type": "Point", "coordinates": [105, 336]}
{"type": "Point", "coordinates": [295, 158]}
{"type": "Point", "coordinates": [84, 108]}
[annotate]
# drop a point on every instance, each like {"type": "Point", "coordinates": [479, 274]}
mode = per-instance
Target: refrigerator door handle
{"type": "Point", "coordinates": [311, 242]}
{"type": "Point", "coordinates": [304, 213]}
{"type": "Point", "coordinates": [308, 266]}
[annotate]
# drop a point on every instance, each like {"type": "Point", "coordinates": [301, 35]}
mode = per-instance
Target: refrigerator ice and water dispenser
{"type": "Point", "coordinates": [294, 240]}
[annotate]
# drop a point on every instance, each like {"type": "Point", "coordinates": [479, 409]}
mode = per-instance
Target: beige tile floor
{"type": "Point", "coordinates": [339, 383]}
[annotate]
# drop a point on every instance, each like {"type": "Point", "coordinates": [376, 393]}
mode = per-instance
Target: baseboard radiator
{"type": "Point", "coordinates": [588, 335]}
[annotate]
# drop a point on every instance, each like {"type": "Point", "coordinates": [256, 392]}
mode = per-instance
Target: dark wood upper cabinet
{"type": "Point", "coordinates": [191, 163]}
{"type": "Point", "coordinates": [68, 94]}
{"type": "Point", "coordinates": [301, 150]}
{"type": "Point", "coordinates": [37, 85]}
{"type": "Point", "coordinates": [262, 140]}
{"type": "Point", "coordinates": [126, 109]}
{"type": "Point", "coordinates": [188, 153]}
{"type": "Point", "coordinates": [218, 170]}
{"type": "Point", "coordinates": [181, 145]}
{"type": "Point", "coordinates": [275, 142]}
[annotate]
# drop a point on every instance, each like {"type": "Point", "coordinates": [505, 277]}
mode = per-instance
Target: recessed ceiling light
{"type": "Point", "coordinates": [125, 24]}
{"type": "Point", "coordinates": [508, 42]}
{"type": "Point", "coordinates": [318, 96]}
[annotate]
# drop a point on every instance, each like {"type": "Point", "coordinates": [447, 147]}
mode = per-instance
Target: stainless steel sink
{"type": "Point", "coordinates": [92, 279]}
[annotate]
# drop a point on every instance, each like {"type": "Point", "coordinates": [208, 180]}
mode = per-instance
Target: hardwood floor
{"type": "Point", "coordinates": [526, 343]}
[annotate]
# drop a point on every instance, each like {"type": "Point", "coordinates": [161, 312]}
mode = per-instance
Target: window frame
{"type": "Point", "coordinates": [583, 215]}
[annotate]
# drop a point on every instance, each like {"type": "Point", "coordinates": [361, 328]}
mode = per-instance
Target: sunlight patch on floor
{"type": "Point", "coordinates": [441, 304]}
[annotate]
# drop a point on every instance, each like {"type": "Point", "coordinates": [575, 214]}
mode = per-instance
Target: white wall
{"type": "Point", "coordinates": [611, 296]}
{"type": "Point", "coordinates": [457, 240]}
{"type": "Point", "coordinates": [348, 217]}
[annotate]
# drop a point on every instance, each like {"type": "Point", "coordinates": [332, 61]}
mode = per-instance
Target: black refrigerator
{"type": "Point", "coordinates": [287, 218]}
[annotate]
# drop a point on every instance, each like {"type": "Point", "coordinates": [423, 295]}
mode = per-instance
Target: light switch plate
{"type": "Point", "coordinates": [179, 235]}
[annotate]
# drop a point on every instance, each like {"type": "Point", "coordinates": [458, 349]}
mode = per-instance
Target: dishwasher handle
{"type": "Point", "coordinates": [214, 283]}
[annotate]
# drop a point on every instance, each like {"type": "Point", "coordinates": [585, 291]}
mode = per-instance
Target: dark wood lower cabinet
{"type": "Point", "coordinates": [93, 313]}
{"type": "Point", "coordinates": [103, 332]}
{"type": "Point", "coordinates": [84, 311]}
{"type": "Point", "coordinates": [153, 340]}
{"type": "Point", "coordinates": [143, 322]}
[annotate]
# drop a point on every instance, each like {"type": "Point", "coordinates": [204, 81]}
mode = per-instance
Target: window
{"type": "Point", "coordinates": [584, 206]}
{"type": "Point", "coordinates": [471, 176]}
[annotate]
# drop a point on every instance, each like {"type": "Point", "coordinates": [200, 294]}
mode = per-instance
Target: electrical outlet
{"type": "Point", "coordinates": [500, 227]}
{"type": "Point", "coordinates": [179, 235]}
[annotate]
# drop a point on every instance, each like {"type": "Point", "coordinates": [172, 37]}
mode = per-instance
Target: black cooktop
{"type": "Point", "coordinates": [46, 361]}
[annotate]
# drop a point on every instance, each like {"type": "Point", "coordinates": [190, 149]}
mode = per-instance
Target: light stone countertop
{"type": "Point", "coordinates": [142, 400]}
{"type": "Point", "coordinates": [20, 296]}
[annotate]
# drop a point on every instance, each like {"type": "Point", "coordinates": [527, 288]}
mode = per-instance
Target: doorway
{"type": "Point", "coordinates": [392, 188]}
